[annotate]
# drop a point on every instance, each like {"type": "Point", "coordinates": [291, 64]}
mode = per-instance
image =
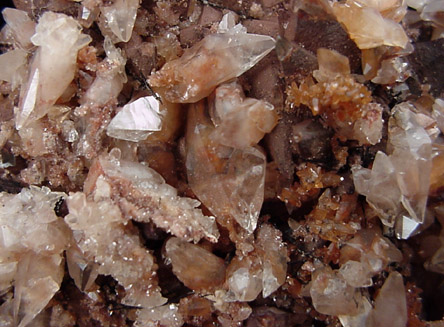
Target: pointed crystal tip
{"type": "Point", "coordinates": [136, 120]}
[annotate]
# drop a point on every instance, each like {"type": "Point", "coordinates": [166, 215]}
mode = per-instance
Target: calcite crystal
{"type": "Point", "coordinates": [216, 59]}
{"type": "Point", "coordinates": [142, 195]}
{"type": "Point", "coordinates": [32, 242]}
{"type": "Point", "coordinates": [367, 27]}
{"type": "Point", "coordinates": [262, 271]}
{"type": "Point", "coordinates": [58, 38]}
{"type": "Point", "coordinates": [106, 238]}
{"type": "Point", "coordinates": [230, 182]}
{"type": "Point", "coordinates": [240, 122]}
{"type": "Point", "coordinates": [344, 103]}
{"type": "Point", "coordinates": [136, 120]}
{"type": "Point", "coordinates": [21, 25]}
{"type": "Point", "coordinates": [222, 163]}
{"type": "Point", "coordinates": [397, 185]}
{"type": "Point", "coordinates": [120, 17]}
{"type": "Point", "coordinates": [196, 267]}
{"type": "Point", "coordinates": [109, 79]}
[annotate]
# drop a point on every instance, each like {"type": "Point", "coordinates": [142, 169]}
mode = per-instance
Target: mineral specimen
{"type": "Point", "coordinates": [53, 66]}
{"type": "Point", "coordinates": [136, 120]}
{"type": "Point", "coordinates": [397, 185]}
{"type": "Point", "coordinates": [142, 195]}
{"type": "Point", "coordinates": [218, 58]}
{"type": "Point", "coordinates": [32, 242]}
{"type": "Point", "coordinates": [229, 181]}
{"type": "Point", "coordinates": [168, 163]}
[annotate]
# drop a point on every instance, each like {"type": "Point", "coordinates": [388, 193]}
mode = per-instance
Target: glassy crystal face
{"type": "Point", "coordinates": [136, 120]}
{"type": "Point", "coordinates": [397, 186]}
{"type": "Point", "coordinates": [216, 59]}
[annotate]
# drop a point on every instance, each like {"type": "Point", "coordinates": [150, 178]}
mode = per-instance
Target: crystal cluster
{"type": "Point", "coordinates": [222, 163]}
{"type": "Point", "coordinates": [344, 104]}
{"type": "Point", "coordinates": [397, 186]}
{"type": "Point", "coordinates": [216, 59]}
{"type": "Point", "coordinates": [58, 38]}
{"type": "Point", "coordinates": [32, 240]}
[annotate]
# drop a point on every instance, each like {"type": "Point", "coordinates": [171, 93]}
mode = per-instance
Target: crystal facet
{"type": "Point", "coordinates": [216, 59]}
{"type": "Point", "coordinates": [136, 120]}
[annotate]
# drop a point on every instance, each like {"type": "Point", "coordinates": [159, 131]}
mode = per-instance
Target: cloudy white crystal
{"type": "Point", "coordinates": [136, 120]}
{"type": "Point", "coordinates": [120, 17]}
{"type": "Point", "coordinates": [397, 185]}
{"type": "Point", "coordinates": [58, 38]}
{"type": "Point", "coordinates": [32, 241]}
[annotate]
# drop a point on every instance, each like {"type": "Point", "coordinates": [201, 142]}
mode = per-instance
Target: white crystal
{"type": "Point", "coordinates": [332, 295]}
{"type": "Point", "coordinates": [438, 113]}
{"type": "Point", "coordinates": [32, 241]}
{"type": "Point", "coordinates": [240, 122]}
{"type": "Point", "coordinates": [274, 259]}
{"type": "Point", "coordinates": [136, 120]}
{"type": "Point", "coordinates": [263, 270]}
{"type": "Point", "coordinates": [110, 77]}
{"type": "Point", "coordinates": [166, 315]}
{"type": "Point", "coordinates": [120, 17]}
{"type": "Point", "coordinates": [58, 38]}
{"type": "Point", "coordinates": [21, 25]}
{"type": "Point", "coordinates": [103, 235]}
{"type": "Point", "coordinates": [227, 22]}
{"type": "Point", "coordinates": [398, 183]}
{"type": "Point", "coordinates": [12, 67]}
{"type": "Point", "coordinates": [359, 320]}
{"type": "Point", "coordinates": [245, 283]}
{"type": "Point", "coordinates": [391, 304]}
{"type": "Point", "coordinates": [155, 200]}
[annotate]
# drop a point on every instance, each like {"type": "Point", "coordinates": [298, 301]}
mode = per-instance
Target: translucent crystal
{"type": "Point", "coordinates": [110, 78]}
{"type": "Point", "coordinates": [166, 315]}
{"type": "Point", "coordinates": [58, 38]}
{"type": "Point", "coordinates": [332, 295]}
{"type": "Point", "coordinates": [367, 27]}
{"type": "Point", "coordinates": [360, 319]}
{"type": "Point", "coordinates": [37, 280]}
{"type": "Point", "coordinates": [104, 237]}
{"type": "Point", "coordinates": [136, 120]}
{"type": "Point", "coordinates": [81, 270]}
{"type": "Point", "coordinates": [152, 199]}
{"type": "Point", "coordinates": [32, 241]}
{"type": "Point", "coordinates": [391, 304]}
{"type": "Point", "coordinates": [196, 267]}
{"type": "Point", "coordinates": [244, 279]}
{"type": "Point", "coordinates": [433, 11]}
{"type": "Point", "coordinates": [438, 113]}
{"type": "Point", "coordinates": [13, 67]}
{"type": "Point", "coordinates": [392, 9]}
{"type": "Point", "coordinates": [216, 59]}
{"type": "Point", "coordinates": [274, 259]}
{"type": "Point", "coordinates": [230, 182]}
{"type": "Point", "coordinates": [398, 183]}
{"type": "Point", "coordinates": [240, 122]}
{"type": "Point", "coordinates": [21, 25]}
{"type": "Point", "coordinates": [366, 255]}
{"type": "Point", "coordinates": [263, 270]}
{"type": "Point", "coordinates": [120, 17]}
